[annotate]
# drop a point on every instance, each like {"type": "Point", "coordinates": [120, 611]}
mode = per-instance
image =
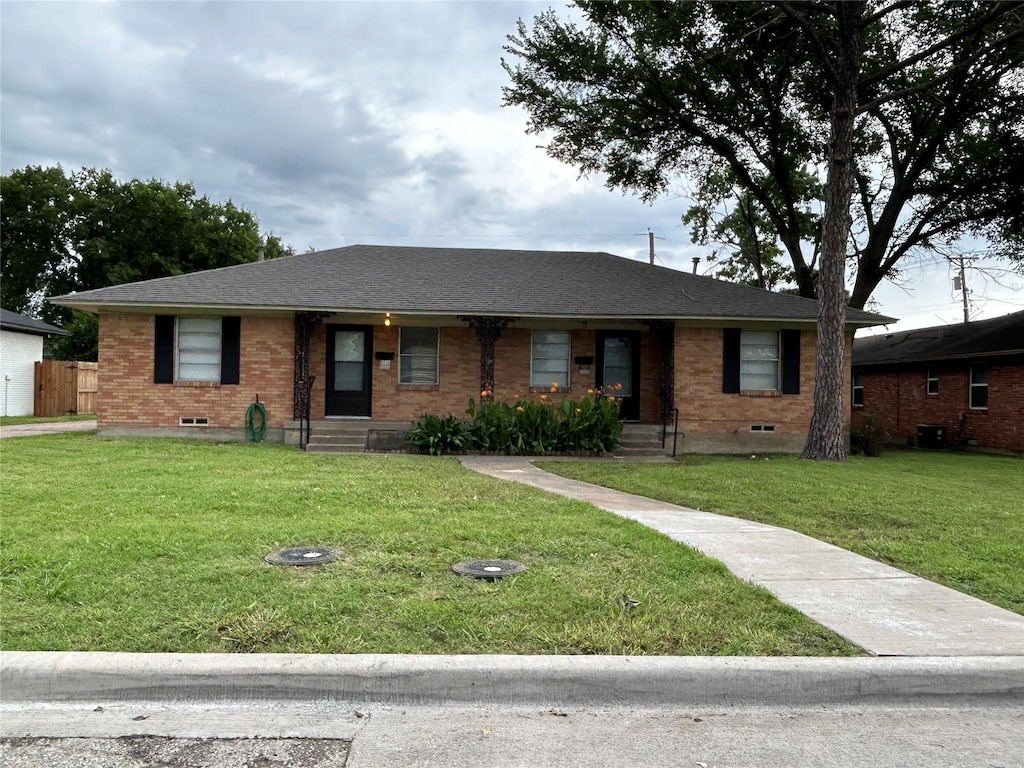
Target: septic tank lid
{"type": "Point", "coordinates": [488, 569]}
{"type": "Point", "coordinates": [302, 556]}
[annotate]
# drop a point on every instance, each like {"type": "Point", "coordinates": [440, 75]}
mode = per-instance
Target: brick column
{"type": "Point", "coordinates": [305, 322]}
{"type": "Point", "coordinates": [665, 333]}
{"type": "Point", "coordinates": [488, 330]}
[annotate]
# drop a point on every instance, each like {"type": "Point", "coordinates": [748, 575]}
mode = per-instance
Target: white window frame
{"type": "Point", "coordinates": [747, 344]}
{"type": "Point", "coordinates": [972, 385]}
{"type": "Point", "coordinates": [534, 381]}
{"type": "Point", "coordinates": [178, 333]}
{"type": "Point", "coordinates": [857, 388]}
{"type": "Point", "coordinates": [931, 377]}
{"type": "Point", "coordinates": [403, 356]}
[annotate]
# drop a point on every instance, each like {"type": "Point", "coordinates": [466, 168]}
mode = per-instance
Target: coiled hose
{"type": "Point", "coordinates": [256, 423]}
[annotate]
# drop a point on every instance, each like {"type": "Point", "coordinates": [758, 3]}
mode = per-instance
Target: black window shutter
{"type": "Point", "coordinates": [731, 360]}
{"type": "Point", "coordinates": [791, 361]}
{"type": "Point", "coordinates": [230, 349]}
{"type": "Point", "coordinates": [163, 358]}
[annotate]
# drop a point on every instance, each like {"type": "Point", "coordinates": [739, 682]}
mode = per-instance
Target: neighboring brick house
{"type": "Point", "coordinates": [945, 386]}
{"type": "Point", "coordinates": [21, 347]}
{"type": "Point", "coordinates": [388, 333]}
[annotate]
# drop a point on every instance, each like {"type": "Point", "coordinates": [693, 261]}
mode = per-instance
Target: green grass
{"type": "Point", "coordinates": [158, 545]}
{"type": "Point", "coordinates": [954, 518]}
{"type": "Point", "coordinates": [13, 421]}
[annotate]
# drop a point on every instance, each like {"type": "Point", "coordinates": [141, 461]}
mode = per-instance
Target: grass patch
{"type": "Point", "coordinates": [14, 421]}
{"type": "Point", "coordinates": [158, 545]}
{"type": "Point", "coordinates": [954, 518]}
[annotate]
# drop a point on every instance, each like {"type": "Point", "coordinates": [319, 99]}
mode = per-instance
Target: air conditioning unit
{"type": "Point", "coordinates": [931, 436]}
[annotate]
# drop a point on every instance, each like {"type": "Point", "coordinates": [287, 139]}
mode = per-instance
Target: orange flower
{"type": "Point", "coordinates": [554, 386]}
{"type": "Point", "coordinates": [590, 391]}
{"type": "Point", "coordinates": [543, 397]}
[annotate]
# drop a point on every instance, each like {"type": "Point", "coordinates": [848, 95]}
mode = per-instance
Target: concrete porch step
{"type": "Point", "coordinates": [642, 440]}
{"type": "Point", "coordinates": [337, 437]}
{"type": "Point", "coordinates": [334, 448]}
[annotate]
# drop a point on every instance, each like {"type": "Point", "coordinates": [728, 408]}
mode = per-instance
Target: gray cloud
{"type": "Point", "coordinates": [334, 122]}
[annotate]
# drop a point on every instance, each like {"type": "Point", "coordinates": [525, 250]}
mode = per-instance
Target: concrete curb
{"type": "Point", "coordinates": [59, 677]}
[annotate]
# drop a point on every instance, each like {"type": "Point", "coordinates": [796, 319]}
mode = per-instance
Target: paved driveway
{"type": "Point", "coordinates": [47, 428]}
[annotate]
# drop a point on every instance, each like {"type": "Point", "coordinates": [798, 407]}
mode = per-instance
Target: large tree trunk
{"type": "Point", "coordinates": [826, 438]}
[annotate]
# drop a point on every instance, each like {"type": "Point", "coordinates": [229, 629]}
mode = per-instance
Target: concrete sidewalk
{"type": "Point", "coordinates": [886, 611]}
{"type": "Point", "coordinates": [47, 428]}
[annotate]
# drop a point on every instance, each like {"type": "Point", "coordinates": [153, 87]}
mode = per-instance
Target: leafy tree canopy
{"type": "Point", "coordinates": [63, 232]}
{"type": "Point", "coordinates": [734, 99]}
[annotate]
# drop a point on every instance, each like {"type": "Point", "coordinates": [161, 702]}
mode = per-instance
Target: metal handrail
{"type": "Point", "coordinates": [675, 428]}
{"type": "Point", "coordinates": [304, 433]}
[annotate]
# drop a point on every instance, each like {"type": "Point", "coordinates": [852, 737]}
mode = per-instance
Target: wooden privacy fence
{"type": "Point", "coordinates": [64, 387]}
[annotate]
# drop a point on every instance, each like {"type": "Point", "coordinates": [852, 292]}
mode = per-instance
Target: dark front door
{"type": "Point", "coordinates": [618, 369]}
{"type": "Point", "coordinates": [349, 353]}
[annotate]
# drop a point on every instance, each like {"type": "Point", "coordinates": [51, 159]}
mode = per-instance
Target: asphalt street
{"type": "Point", "coordinates": [422, 737]}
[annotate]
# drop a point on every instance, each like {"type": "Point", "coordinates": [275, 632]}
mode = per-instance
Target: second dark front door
{"type": "Point", "coordinates": [349, 373]}
{"type": "Point", "coordinates": [618, 365]}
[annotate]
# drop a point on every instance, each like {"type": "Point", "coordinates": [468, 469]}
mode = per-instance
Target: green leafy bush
{"type": "Point", "coordinates": [868, 437]}
{"type": "Point", "coordinates": [438, 435]}
{"type": "Point", "coordinates": [590, 424]}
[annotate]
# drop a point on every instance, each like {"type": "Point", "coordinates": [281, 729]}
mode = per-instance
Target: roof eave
{"type": "Point", "coordinates": [151, 307]}
{"type": "Point", "coordinates": [940, 358]}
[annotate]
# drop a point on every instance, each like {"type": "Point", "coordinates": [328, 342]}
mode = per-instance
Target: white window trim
{"type": "Point", "coordinates": [778, 363]}
{"type": "Point", "coordinates": [177, 349]}
{"type": "Point", "coordinates": [854, 387]}
{"type": "Point", "coordinates": [437, 358]}
{"type": "Point", "coordinates": [929, 378]}
{"type": "Point", "coordinates": [568, 360]}
{"type": "Point", "coordinates": [971, 386]}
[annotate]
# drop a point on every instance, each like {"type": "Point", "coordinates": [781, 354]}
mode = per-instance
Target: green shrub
{"type": "Point", "coordinates": [538, 427]}
{"type": "Point", "coordinates": [438, 435]}
{"type": "Point", "coordinates": [868, 437]}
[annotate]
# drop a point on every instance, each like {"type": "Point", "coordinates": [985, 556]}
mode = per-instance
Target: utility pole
{"type": "Point", "coordinates": [650, 243]}
{"type": "Point", "coordinates": [960, 281]}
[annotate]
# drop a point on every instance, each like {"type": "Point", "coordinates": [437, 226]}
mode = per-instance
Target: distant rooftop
{"type": "Point", "coordinates": [12, 321]}
{"type": "Point", "coordinates": [996, 336]}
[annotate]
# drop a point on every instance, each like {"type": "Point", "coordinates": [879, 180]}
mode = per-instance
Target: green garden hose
{"type": "Point", "coordinates": [256, 422]}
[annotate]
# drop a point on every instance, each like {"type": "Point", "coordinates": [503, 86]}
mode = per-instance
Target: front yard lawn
{"type": "Point", "coordinates": [158, 545]}
{"type": "Point", "coordinates": [954, 518]}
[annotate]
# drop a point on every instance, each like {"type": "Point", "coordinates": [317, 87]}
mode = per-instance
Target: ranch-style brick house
{"type": "Point", "coordinates": [383, 334]}
{"type": "Point", "coordinates": [945, 386]}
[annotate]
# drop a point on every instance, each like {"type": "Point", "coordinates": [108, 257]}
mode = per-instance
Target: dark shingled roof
{"type": "Point", "coordinates": [998, 336]}
{"type": "Point", "coordinates": [12, 321]}
{"type": "Point", "coordinates": [458, 281]}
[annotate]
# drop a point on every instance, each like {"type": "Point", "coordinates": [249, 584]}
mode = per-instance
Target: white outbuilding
{"type": "Point", "coordinates": [21, 347]}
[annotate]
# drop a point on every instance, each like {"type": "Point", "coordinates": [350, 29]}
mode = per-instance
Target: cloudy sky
{"type": "Point", "coordinates": [344, 122]}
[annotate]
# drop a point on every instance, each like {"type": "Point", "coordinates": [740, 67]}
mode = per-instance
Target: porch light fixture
{"type": "Point", "coordinates": [387, 318]}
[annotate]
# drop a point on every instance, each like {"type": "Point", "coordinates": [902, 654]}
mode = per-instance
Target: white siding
{"type": "Point", "coordinates": [18, 354]}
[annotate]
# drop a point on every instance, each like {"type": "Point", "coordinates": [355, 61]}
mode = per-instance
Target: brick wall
{"type": "Point", "coordinates": [127, 396]}
{"type": "Point", "coordinates": [898, 400]}
{"type": "Point", "coordinates": [704, 408]}
{"type": "Point", "coordinates": [459, 373]}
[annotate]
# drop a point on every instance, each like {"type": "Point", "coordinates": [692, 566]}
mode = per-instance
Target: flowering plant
{"type": "Point", "coordinates": [537, 427]}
